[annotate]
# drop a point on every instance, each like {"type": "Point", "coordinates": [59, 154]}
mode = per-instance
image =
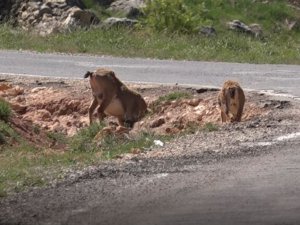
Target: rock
{"type": "Point", "coordinates": [43, 114]}
{"type": "Point", "coordinates": [253, 29]}
{"type": "Point", "coordinates": [77, 17]}
{"type": "Point", "coordinates": [45, 10]}
{"type": "Point", "coordinates": [15, 91]}
{"type": "Point", "coordinates": [129, 8]}
{"type": "Point", "coordinates": [290, 24]}
{"type": "Point", "coordinates": [37, 89]}
{"type": "Point", "coordinates": [158, 122]}
{"type": "Point", "coordinates": [118, 22]}
{"type": "Point", "coordinates": [208, 31]}
{"type": "Point", "coordinates": [45, 17]}
{"type": "Point", "coordinates": [4, 87]}
{"type": "Point", "coordinates": [158, 143]}
{"type": "Point", "coordinates": [194, 102]}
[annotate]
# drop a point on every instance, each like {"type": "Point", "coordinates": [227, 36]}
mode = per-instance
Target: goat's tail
{"type": "Point", "coordinates": [88, 73]}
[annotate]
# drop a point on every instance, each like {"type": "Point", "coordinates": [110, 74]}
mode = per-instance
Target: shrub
{"type": "Point", "coordinates": [172, 15]}
{"type": "Point", "coordinates": [5, 110]}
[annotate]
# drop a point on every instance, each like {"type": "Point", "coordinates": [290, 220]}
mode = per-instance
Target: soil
{"type": "Point", "coordinates": [61, 105]}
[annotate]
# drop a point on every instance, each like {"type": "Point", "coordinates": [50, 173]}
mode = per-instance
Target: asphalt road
{"type": "Point", "coordinates": [262, 190]}
{"type": "Point", "coordinates": [281, 78]}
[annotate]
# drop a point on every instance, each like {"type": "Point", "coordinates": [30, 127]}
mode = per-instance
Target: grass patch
{"type": "Point", "coordinates": [210, 127]}
{"type": "Point", "coordinates": [174, 96]}
{"type": "Point", "coordinates": [283, 47]}
{"type": "Point", "coordinates": [23, 165]}
{"type": "Point", "coordinates": [5, 110]}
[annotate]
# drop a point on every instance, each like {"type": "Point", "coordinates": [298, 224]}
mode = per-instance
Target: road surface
{"type": "Point", "coordinates": [281, 78]}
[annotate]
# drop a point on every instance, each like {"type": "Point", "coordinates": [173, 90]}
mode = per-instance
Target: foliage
{"type": "Point", "coordinates": [210, 127]}
{"type": "Point", "coordinates": [84, 140]}
{"type": "Point", "coordinates": [5, 110]}
{"type": "Point", "coordinates": [172, 15]}
{"type": "Point", "coordinates": [7, 134]}
{"type": "Point", "coordinates": [174, 96]}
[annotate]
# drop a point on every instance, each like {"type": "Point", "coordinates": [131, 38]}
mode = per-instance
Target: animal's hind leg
{"type": "Point", "coordinates": [223, 117]}
{"type": "Point", "coordinates": [102, 107]}
{"type": "Point", "coordinates": [92, 108]}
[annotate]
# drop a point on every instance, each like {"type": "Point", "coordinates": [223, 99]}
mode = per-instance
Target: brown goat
{"type": "Point", "coordinates": [231, 100]}
{"type": "Point", "coordinates": [114, 98]}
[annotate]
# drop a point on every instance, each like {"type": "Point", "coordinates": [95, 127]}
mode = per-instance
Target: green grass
{"type": "Point", "coordinates": [210, 127]}
{"type": "Point", "coordinates": [284, 47]}
{"type": "Point", "coordinates": [5, 110]}
{"type": "Point", "coordinates": [24, 165]}
{"type": "Point", "coordinates": [174, 96]}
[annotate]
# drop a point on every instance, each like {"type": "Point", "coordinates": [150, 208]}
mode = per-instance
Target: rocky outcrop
{"type": "Point", "coordinates": [45, 17]}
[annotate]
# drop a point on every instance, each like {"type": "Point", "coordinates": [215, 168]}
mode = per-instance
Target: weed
{"type": "Point", "coordinates": [83, 141]}
{"type": "Point", "coordinates": [210, 127]}
{"type": "Point", "coordinates": [5, 110]}
{"type": "Point", "coordinates": [173, 96]}
{"type": "Point", "coordinates": [36, 129]}
{"type": "Point", "coordinates": [56, 137]}
{"type": "Point", "coordinates": [7, 134]}
{"type": "Point", "coordinates": [172, 15]}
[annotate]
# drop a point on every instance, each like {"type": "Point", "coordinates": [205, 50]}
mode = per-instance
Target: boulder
{"type": "Point", "coordinates": [79, 18]}
{"type": "Point", "coordinates": [129, 8]}
{"type": "Point", "coordinates": [45, 17]}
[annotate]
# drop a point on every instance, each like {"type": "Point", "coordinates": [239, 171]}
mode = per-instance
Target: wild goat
{"type": "Point", "coordinates": [114, 98]}
{"type": "Point", "coordinates": [231, 100]}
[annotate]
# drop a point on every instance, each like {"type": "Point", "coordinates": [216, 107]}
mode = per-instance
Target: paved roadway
{"type": "Point", "coordinates": [281, 78]}
{"type": "Point", "coordinates": [262, 190]}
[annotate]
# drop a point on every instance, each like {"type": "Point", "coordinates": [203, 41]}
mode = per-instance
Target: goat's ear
{"type": "Point", "coordinates": [88, 73]}
{"type": "Point", "coordinates": [112, 73]}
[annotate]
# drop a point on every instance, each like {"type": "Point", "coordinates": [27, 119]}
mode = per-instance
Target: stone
{"type": "Point", "coordinates": [45, 17]}
{"type": "Point", "coordinates": [118, 22]}
{"type": "Point", "coordinates": [158, 122]}
{"type": "Point", "coordinates": [129, 8]}
{"type": "Point", "coordinates": [208, 31]}
{"type": "Point", "coordinates": [253, 29]}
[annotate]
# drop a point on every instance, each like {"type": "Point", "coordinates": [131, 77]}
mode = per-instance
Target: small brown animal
{"type": "Point", "coordinates": [114, 98]}
{"type": "Point", "coordinates": [231, 100]}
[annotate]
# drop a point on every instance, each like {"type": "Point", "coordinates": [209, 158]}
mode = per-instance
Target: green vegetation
{"type": "Point", "coordinates": [210, 127]}
{"type": "Point", "coordinates": [24, 165]}
{"type": "Point", "coordinates": [170, 29]}
{"type": "Point", "coordinates": [5, 110]}
{"type": "Point", "coordinates": [173, 96]}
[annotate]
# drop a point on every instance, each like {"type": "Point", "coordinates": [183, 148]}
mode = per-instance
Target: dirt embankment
{"type": "Point", "coordinates": [62, 106]}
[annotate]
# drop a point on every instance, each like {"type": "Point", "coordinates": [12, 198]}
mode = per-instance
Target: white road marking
{"type": "Point", "coordinates": [275, 140]}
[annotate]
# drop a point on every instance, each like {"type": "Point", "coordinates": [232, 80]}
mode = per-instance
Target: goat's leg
{"type": "Point", "coordinates": [223, 116]}
{"type": "Point", "coordinates": [92, 109]}
{"type": "Point", "coordinates": [102, 107]}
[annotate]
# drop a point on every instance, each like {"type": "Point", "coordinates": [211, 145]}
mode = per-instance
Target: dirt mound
{"type": "Point", "coordinates": [62, 106]}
